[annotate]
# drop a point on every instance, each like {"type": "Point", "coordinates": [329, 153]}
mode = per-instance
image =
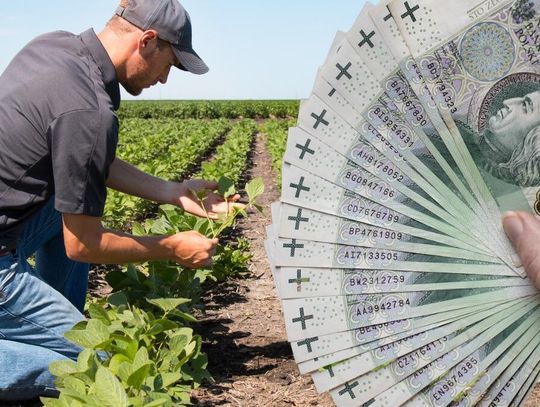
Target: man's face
{"type": "Point", "coordinates": [510, 125]}
{"type": "Point", "coordinates": [152, 67]}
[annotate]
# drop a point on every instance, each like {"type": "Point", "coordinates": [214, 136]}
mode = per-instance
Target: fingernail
{"type": "Point", "coordinates": [512, 225]}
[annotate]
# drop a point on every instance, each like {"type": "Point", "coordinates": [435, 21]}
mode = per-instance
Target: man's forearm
{"type": "Point", "coordinates": [112, 247]}
{"type": "Point", "coordinates": [126, 178]}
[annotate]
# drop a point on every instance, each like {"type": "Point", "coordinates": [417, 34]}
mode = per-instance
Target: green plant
{"type": "Point", "coordinates": [139, 350]}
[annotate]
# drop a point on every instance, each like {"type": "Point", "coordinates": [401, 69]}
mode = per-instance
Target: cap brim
{"type": "Point", "coordinates": [190, 61]}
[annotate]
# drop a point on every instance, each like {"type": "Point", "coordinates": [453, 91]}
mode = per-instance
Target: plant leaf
{"type": "Point", "coordinates": [168, 304]}
{"type": "Point", "coordinates": [109, 389]}
{"type": "Point", "coordinates": [255, 188]}
{"type": "Point", "coordinates": [226, 187]}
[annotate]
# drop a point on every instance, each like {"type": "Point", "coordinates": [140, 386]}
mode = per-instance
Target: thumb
{"type": "Point", "coordinates": [523, 230]}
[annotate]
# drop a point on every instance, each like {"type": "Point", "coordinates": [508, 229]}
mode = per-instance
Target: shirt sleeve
{"type": "Point", "coordinates": [83, 146]}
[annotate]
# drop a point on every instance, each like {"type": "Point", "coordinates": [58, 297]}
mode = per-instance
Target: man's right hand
{"type": "Point", "coordinates": [191, 249]}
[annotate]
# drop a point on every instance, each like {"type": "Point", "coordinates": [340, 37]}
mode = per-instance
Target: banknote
{"type": "Point", "coordinates": [487, 100]}
{"type": "Point", "coordinates": [379, 180]}
{"type": "Point", "coordinates": [397, 382]}
{"type": "Point", "coordinates": [347, 370]}
{"type": "Point", "coordinates": [303, 188]}
{"type": "Point", "coordinates": [503, 369]}
{"type": "Point", "coordinates": [301, 223]}
{"type": "Point", "coordinates": [302, 282]}
{"type": "Point", "coordinates": [461, 377]}
{"type": "Point", "coordinates": [528, 388]}
{"type": "Point", "coordinates": [404, 137]}
{"type": "Point", "coordinates": [409, 86]}
{"type": "Point", "coordinates": [308, 317]}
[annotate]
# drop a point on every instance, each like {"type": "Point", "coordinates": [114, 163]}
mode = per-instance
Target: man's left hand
{"type": "Point", "coordinates": [214, 205]}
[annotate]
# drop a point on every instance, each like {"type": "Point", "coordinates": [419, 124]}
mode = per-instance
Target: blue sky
{"type": "Point", "coordinates": [266, 49]}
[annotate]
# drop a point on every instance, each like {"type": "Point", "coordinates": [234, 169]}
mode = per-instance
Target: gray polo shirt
{"type": "Point", "coordinates": [58, 129]}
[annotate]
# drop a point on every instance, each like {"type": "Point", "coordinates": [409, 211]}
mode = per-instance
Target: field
{"type": "Point", "coordinates": [177, 336]}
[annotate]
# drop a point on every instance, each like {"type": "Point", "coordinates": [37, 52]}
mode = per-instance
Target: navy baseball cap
{"type": "Point", "coordinates": [172, 23]}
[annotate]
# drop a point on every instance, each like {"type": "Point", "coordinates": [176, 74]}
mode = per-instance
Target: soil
{"type": "Point", "coordinates": [243, 331]}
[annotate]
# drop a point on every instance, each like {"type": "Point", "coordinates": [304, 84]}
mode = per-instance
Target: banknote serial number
{"type": "Point", "coordinates": [371, 185]}
{"type": "Point", "coordinates": [372, 213]}
{"type": "Point", "coordinates": [393, 127]}
{"type": "Point", "coordinates": [448, 384]}
{"type": "Point", "coordinates": [375, 233]}
{"type": "Point", "coordinates": [380, 165]}
{"type": "Point", "coordinates": [426, 350]}
{"type": "Point", "coordinates": [379, 280]}
{"type": "Point", "coordinates": [383, 256]}
{"type": "Point", "coordinates": [384, 306]}
{"type": "Point", "coordinates": [410, 106]}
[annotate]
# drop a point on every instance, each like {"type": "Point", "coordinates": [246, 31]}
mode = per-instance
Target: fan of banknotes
{"type": "Point", "coordinates": [398, 285]}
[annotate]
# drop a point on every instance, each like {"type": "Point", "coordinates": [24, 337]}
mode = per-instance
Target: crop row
{"type": "Point", "coordinates": [229, 109]}
{"type": "Point", "coordinates": [231, 157]}
{"type": "Point", "coordinates": [166, 148]}
{"type": "Point", "coordinates": [275, 134]}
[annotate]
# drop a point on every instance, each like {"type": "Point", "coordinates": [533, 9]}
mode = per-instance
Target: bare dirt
{"type": "Point", "coordinates": [243, 331]}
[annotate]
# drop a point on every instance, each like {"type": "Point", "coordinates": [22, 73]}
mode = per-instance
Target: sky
{"type": "Point", "coordinates": [265, 49]}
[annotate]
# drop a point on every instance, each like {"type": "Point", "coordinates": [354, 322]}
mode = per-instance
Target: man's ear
{"type": "Point", "coordinates": [148, 40]}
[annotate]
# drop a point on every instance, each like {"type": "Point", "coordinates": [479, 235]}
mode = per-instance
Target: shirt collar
{"type": "Point", "coordinates": [105, 65]}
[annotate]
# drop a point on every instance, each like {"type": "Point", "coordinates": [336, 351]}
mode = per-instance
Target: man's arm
{"type": "Point", "coordinates": [126, 178]}
{"type": "Point", "coordinates": [86, 240]}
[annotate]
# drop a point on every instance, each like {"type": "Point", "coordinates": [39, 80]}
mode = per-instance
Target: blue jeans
{"type": "Point", "coordinates": [37, 305]}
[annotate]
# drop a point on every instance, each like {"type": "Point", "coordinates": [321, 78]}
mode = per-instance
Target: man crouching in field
{"type": "Point", "coordinates": [58, 136]}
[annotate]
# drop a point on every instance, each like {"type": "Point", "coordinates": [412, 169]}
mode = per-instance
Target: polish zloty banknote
{"type": "Point", "coordinates": [503, 369]}
{"type": "Point", "coordinates": [481, 66]}
{"type": "Point", "coordinates": [307, 317]}
{"type": "Point", "coordinates": [410, 95]}
{"type": "Point", "coordinates": [347, 370]}
{"type": "Point", "coordinates": [303, 188]}
{"type": "Point", "coordinates": [301, 223]}
{"type": "Point", "coordinates": [473, 368]}
{"type": "Point", "coordinates": [400, 380]}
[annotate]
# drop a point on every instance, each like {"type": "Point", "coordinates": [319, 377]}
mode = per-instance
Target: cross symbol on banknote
{"type": "Point", "coordinates": [320, 119]}
{"type": "Point", "coordinates": [298, 280]}
{"type": "Point", "coordinates": [389, 15]}
{"type": "Point", "coordinates": [305, 149]}
{"type": "Point", "coordinates": [344, 71]}
{"type": "Point", "coordinates": [293, 246]}
{"type": "Point", "coordinates": [299, 187]}
{"type": "Point", "coordinates": [330, 371]}
{"type": "Point", "coordinates": [298, 219]}
{"type": "Point", "coordinates": [307, 342]}
{"type": "Point", "coordinates": [366, 39]}
{"type": "Point", "coordinates": [302, 318]}
{"type": "Point", "coordinates": [410, 12]}
{"type": "Point", "coordinates": [349, 389]}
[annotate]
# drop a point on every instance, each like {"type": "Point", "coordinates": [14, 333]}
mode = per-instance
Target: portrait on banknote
{"type": "Point", "coordinates": [506, 139]}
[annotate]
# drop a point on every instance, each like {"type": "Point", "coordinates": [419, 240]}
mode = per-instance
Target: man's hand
{"type": "Point", "coordinates": [86, 240]}
{"type": "Point", "coordinates": [213, 203]}
{"type": "Point", "coordinates": [523, 230]}
{"type": "Point", "coordinates": [191, 249]}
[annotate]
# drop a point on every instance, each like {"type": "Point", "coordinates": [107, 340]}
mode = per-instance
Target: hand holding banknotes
{"type": "Point", "coordinates": [523, 229]}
